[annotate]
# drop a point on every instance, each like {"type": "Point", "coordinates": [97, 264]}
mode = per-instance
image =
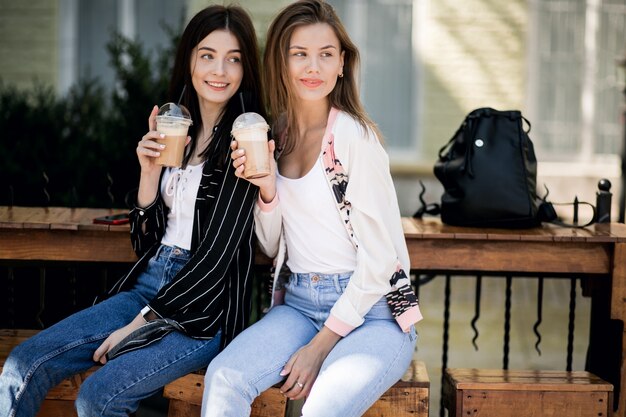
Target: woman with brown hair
{"type": "Point", "coordinates": [189, 294]}
{"type": "Point", "coordinates": [341, 328]}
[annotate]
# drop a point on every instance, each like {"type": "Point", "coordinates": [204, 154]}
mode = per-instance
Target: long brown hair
{"type": "Point", "coordinates": [235, 20]}
{"type": "Point", "coordinates": [280, 91]}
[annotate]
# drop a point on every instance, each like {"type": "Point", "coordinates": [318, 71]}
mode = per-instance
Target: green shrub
{"type": "Point", "coordinates": [79, 150]}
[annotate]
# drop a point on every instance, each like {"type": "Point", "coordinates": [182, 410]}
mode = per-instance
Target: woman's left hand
{"type": "Point", "coordinates": [116, 337]}
{"type": "Point", "coordinates": [304, 365]}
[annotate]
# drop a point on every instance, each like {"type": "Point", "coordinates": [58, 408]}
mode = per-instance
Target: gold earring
{"type": "Point", "coordinates": [341, 75]}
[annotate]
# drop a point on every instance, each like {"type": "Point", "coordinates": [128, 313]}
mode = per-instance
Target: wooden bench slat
{"type": "Point", "coordinates": [408, 397]}
{"type": "Point", "coordinates": [189, 388]}
{"type": "Point", "coordinates": [270, 403]}
{"type": "Point", "coordinates": [527, 380]}
{"type": "Point", "coordinates": [67, 390]}
{"type": "Point", "coordinates": [525, 393]}
{"type": "Point", "coordinates": [57, 408]}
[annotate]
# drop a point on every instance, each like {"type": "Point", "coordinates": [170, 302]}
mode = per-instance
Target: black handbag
{"type": "Point", "coordinates": [489, 173]}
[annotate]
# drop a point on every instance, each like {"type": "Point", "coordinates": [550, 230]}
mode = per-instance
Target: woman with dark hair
{"type": "Point", "coordinates": [188, 295]}
{"type": "Point", "coordinates": [341, 328]}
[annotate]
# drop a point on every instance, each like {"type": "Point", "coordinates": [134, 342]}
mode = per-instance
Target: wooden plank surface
{"type": "Point", "coordinates": [525, 380]}
{"type": "Point", "coordinates": [62, 234]}
{"type": "Point", "coordinates": [415, 376]}
{"type": "Point", "coordinates": [533, 403]}
{"type": "Point", "coordinates": [62, 218]}
{"type": "Point", "coordinates": [9, 338]}
{"type": "Point", "coordinates": [36, 233]}
{"type": "Point", "coordinates": [65, 245]}
{"type": "Point", "coordinates": [57, 408]}
{"type": "Point", "coordinates": [408, 397]}
{"type": "Point", "coordinates": [65, 218]}
{"type": "Point", "coordinates": [432, 228]}
{"type": "Point", "coordinates": [537, 257]}
{"type": "Point", "coordinates": [525, 393]}
{"type": "Point", "coordinates": [189, 389]}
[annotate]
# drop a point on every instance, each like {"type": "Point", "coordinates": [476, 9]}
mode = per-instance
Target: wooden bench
{"type": "Point", "coordinates": [407, 398]}
{"type": "Point", "coordinates": [59, 401]}
{"type": "Point", "coordinates": [525, 393]}
{"type": "Point", "coordinates": [185, 398]}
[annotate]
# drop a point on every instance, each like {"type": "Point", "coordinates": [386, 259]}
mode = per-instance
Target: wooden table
{"type": "Point", "coordinates": [62, 234]}
{"type": "Point", "coordinates": [598, 251]}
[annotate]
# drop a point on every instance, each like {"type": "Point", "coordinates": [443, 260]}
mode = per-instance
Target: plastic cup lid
{"type": "Point", "coordinates": [249, 119]}
{"type": "Point", "coordinates": [174, 112]}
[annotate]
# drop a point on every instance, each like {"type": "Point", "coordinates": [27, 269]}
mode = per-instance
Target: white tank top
{"type": "Point", "coordinates": [316, 239]}
{"type": "Point", "coordinates": [179, 189]}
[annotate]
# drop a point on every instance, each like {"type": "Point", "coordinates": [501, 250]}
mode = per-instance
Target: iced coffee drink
{"type": "Point", "coordinates": [173, 121]}
{"type": "Point", "coordinates": [250, 132]}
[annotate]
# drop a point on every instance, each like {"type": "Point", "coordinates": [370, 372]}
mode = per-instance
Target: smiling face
{"type": "Point", "coordinates": [315, 61]}
{"type": "Point", "coordinates": [216, 69]}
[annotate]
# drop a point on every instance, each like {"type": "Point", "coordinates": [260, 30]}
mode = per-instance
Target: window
{"type": "Point", "coordinates": [86, 27]}
{"type": "Point", "coordinates": [383, 32]}
{"type": "Point", "coordinates": [575, 100]}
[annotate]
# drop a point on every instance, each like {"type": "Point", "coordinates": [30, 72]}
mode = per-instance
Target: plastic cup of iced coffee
{"type": "Point", "coordinates": [173, 121]}
{"type": "Point", "coordinates": [250, 132]}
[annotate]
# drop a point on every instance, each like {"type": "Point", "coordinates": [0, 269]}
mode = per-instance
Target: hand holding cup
{"type": "Point", "coordinates": [267, 183]}
{"type": "Point", "coordinates": [250, 132]}
{"type": "Point", "coordinates": [172, 122]}
{"type": "Point", "coordinates": [148, 148]}
{"type": "Point", "coordinates": [152, 144]}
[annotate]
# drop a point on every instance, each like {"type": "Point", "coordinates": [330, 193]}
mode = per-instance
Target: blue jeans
{"type": "Point", "coordinates": [66, 349]}
{"type": "Point", "coordinates": [359, 369]}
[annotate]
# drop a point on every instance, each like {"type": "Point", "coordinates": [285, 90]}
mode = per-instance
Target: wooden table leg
{"type": "Point", "coordinates": [618, 312]}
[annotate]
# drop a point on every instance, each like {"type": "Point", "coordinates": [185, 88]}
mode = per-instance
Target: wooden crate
{"type": "Point", "coordinates": [185, 397]}
{"type": "Point", "coordinates": [407, 398]}
{"type": "Point", "coordinates": [525, 393]}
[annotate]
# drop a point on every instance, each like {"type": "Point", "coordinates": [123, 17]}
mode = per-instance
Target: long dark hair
{"type": "Point", "coordinates": [235, 20]}
{"type": "Point", "coordinates": [280, 91]}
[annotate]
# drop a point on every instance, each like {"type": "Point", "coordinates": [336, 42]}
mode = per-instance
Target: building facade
{"type": "Point", "coordinates": [426, 63]}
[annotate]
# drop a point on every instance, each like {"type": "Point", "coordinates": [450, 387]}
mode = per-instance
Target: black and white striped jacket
{"type": "Point", "coordinates": [213, 290]}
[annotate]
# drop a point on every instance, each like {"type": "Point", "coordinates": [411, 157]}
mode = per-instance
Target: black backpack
{"type": "Point", "coordinates": [489, 173]}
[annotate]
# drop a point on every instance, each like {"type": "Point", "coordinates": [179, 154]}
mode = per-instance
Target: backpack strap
{"type": "Point", "coordinates": [547, 214]}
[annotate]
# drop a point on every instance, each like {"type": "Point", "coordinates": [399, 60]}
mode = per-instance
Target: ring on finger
{"type": "Point", "coordinates": [301, 385]}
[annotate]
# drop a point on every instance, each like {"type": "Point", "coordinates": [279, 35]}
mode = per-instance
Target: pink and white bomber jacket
{"type": "Point", "coordinates": [357, 170]}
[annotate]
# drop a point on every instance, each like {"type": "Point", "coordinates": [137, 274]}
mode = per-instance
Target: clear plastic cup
{"type": "Point", "coordinates": [250, 132]}
{"type": "Point", "coordinates": [173, 120]}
